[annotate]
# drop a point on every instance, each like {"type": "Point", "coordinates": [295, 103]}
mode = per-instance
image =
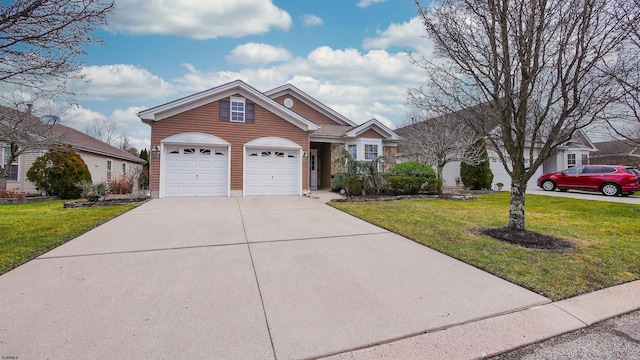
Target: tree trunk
{"type": "Point", "coordinates": [516, 208]}
{"type": "Point", "coordinates": [439, 169]}
{"type": "Point", "coordinates": [3, 182]}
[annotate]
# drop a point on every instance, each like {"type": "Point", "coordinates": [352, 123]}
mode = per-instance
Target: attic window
{"type": "Point", "coordinates": [237, 109]}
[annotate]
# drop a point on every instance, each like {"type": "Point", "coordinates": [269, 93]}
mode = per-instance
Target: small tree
{"type": "Point", "coordinates": [479, 176]}
{"type": "Point", "coordinates": [58, 173]}
{"type": "Point", "coordinates": [143, 179]}
{"type": "Point", "coordinates": [359, 175]}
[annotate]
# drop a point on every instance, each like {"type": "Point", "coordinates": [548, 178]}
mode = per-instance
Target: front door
{"type": "Point", "coordinates": [313, 169]}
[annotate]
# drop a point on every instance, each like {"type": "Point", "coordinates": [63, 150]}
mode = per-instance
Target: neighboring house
{"type": "Point", "coordinates": [575, 152]}
{"type": "Point", "coordinates": [233, 140]}
{"type": "Point", "coordinates": [105, 162]}
{"type": "Point", "coordinates": [617, 152]}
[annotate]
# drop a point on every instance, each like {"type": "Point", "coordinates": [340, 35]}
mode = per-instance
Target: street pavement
{"type": "Point", "coordinates": [614, 339]}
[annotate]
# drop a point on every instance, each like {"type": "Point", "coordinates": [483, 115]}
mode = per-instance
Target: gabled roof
{"type": "Point", "coordinates": [81, 141]}
{"type": "Point", "coordinates": [190, 102]}
{"type": "Point", "coordinates": [617, 147]}
{"type": "Point", "coordinates": [376, 126]}
{"type": "Point", "coordinates": [310, 101]}
{"type": "Point", "coordinates": [65, 135]}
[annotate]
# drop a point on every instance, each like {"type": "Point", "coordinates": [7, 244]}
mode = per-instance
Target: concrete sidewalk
{"type": "Point", "coordinates": [245, 278]}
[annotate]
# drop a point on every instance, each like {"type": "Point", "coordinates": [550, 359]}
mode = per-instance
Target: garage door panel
{"type": "Point", "coordinates": [196, 171]}
{"type": "Point", "coordinates": [271, 172]}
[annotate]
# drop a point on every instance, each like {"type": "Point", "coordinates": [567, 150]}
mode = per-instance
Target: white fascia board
{"type": "Point", "coordinates": [208, 96]}
{"type": "Point", "coordinates": [368, 125]}
{"type": "Point", "coordinates": [310, 101]}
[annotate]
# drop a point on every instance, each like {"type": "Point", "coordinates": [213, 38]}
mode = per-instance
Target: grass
{"type": "Point", "coordinates": [606, 236]}
{"type": "Point", "coordinates": [29, 230]}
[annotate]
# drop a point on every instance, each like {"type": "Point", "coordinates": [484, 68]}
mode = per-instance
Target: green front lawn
{"type": "Point", "coordinates": [29, 230]}
{"type": "Point", "coordinates": [606, 236]}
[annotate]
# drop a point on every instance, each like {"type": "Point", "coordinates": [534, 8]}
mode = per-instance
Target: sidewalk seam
{"type": "Point", "coordinates": [570, 314]}
{"type": "Point", "coordinates": [255, 274]}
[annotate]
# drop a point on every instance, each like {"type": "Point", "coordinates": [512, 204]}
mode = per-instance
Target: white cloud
{"type": "Point", "coordinates": [121, 82]}
{"type": "Point", "coordinates": [198, 19]}
{"type": "Point", "coordinates": [364, 3]}
{"type": "Point", "coordinates": [409, 34]}
{"type": "Point", "coordinates": [127, 122]}
{"type": "Point", "coordinates": [311, 20]}
{"type": "Point", "coordinates": [253, 53]}
{"type": "Point", "coordinates": [357, 85]}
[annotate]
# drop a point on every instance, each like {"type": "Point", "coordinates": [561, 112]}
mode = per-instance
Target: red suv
{"type": "Point", "coordinates": [611, 180]}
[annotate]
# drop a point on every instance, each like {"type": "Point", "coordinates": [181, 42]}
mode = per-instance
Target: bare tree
{"type": "Point", "coordinates": [624, 120]}
{"type": "Point", "coordinates": [535, 65]}
{"type": "Point", "coordinates": [40, 45]}
{"type": "Point", "coordinates": [42, 41]}
{"type": "Point", "coordinates": [104, 130]}
{"type": "Point", "coordinates": [439, 140]}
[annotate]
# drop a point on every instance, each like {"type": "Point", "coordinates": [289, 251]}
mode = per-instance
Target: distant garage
{"type": "Point", "coordinates": [194, 164]}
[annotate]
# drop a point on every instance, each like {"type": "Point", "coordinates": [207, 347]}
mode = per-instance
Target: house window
{"type": "Point", "coordinates": [124, 168]}
{"type": "Point", "coordinates": [108, 170]}
{"type": "Point", "coordinates": [353, 150]}
{"type": "Point", "coordinates": [12, 174]}
{"type": "Point", "coordinates": [571, 160]}
{"type": "Point", "coordinates": [370, 151]}
{"type": "Point", "coordinates": [585, 159]}
{"type": "Point", "coordinates": [237, 109]}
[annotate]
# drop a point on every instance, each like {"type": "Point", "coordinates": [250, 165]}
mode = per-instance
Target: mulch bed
{"type": "Point", "coordinates": [528, 239]}
{"type": "Point", "coordinates": [109, 202]}
{"type": "Point", "coordinates": [382, 197]}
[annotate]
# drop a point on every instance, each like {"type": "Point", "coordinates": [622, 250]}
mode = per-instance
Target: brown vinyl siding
{"type": "Point", "coordinates": [305, 110]}
{"type": "Point", "coordinates": [370, 134]}
{"type": "Point", "coordinates": [205, 119]}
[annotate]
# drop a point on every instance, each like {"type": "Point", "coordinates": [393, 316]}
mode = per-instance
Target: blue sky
{"type": "Point", "coordinates": [348, 54]}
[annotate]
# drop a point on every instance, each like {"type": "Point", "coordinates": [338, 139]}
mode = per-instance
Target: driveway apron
{"type": "Point", "coordinates": [241, 278]}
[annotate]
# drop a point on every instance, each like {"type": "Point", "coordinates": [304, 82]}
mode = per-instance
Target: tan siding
{"type": "Point", "coordinates": [370, 134]}
{"type": "Point", "coordinates": [306, 111]}
{"type": "Point", "coordinates": [205, 119]}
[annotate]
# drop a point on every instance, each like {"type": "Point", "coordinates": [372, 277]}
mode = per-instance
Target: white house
{"type": "Point", "coordinates": [105, 162]}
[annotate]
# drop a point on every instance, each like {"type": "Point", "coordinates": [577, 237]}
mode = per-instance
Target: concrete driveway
{"type": "Point", "coordinates": [238, 278]}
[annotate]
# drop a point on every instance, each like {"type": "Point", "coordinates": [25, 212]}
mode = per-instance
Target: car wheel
{"type": "Point", "coordinates": [610, 189]}
{"type": "Point", "coordinates": [548, 185]}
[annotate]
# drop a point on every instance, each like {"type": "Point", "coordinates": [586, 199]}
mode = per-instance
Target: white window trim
{"type": "Point", "coordinates": [15, 162]}
{"type": "Point", "coordinates": [244, 109]}
{"type": "Point", "coordinates": [575, 160]}
{"type": "Point", "coordinates": [108, 171]}
{"type": "Point", "coordinates": [360, 143]}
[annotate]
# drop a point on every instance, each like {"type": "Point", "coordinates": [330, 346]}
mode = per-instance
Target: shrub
{"type": "Point", "coordinates": [91, 191]}
{"type": "Point", "coordinates": [58, 172]}
{"type": "Point", "coordinates": [405, 185]}
{"type": "Point", "coordinates": [412, 185]}
{"type": "Point", "coordinates": [432, 186]}
{"type": "Point", "coordinates": [337, 181]}
{"type": "Point", "coordinates": [122, 185]}
{"type": "Point", "coordinates": [353, 185]}
{"type": "Point", "coordinates": [476, 177]}
{"type": "Point", "coordinates": [413, 168]}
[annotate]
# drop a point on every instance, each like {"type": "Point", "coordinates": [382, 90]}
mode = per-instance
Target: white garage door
{"type": "Point", "coordinates": [272, 172]}
{"type": "Point", "coordinates": [195, 171]}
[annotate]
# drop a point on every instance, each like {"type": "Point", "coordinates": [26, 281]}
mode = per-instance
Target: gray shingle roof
{"type": "Point", "coordinates": [66, 135]}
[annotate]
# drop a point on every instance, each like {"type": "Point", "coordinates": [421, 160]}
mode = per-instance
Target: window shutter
{"type": "Point", "coordinates": [249, 112]}
{"type": "Point", "coordinates": [224, 110]}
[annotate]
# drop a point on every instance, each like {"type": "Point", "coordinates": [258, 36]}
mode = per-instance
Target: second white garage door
{"type": "Point", "coordinates": [196, 171]}
{"type": "Point", "coordinates": [272, 172]}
